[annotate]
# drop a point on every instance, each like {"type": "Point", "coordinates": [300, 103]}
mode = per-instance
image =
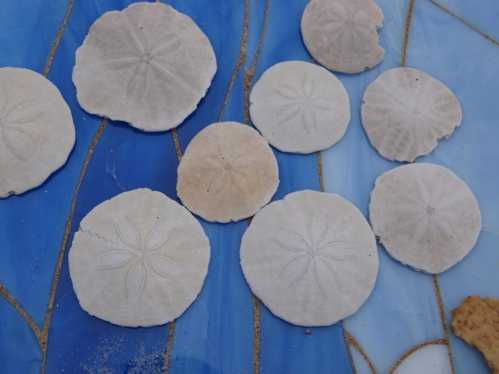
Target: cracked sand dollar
{"type": "Point", "coordinates": [228, 173]}
{"type": "Point", "coordinates": [343, 35]}
{"type": "Point", "coordinates": [138, 259]}
{"type": "Point", "coordinates": [37, 132]}
{"type": "Point", "coordinates": [405, 112]}
{"type": "Point", "coordinates": [300, 107]}
{"type": "Point", "coordinates": [425, 216]}
{"type": "Point", "coordinates": [148, 65]}
{"type": "Point", "coordinates": [311, 258]}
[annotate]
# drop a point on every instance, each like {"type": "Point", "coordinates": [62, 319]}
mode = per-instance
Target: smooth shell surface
{"type": "Point", "coordinates": [425, 216]}
{"type": "Point", "coordinates": [311, 258]}
{"type": "Point", "coordinates": [148, 65]}
{"type": "Point", "coordinates": [37, 132]}
{"type": "Point", "coordinates": [228, 172]}
{"type": "Point", "coordinates": [138, 259]}
{"type": "Point", "coordinates": [343, 35]}
{"type": "Point", "coordinates": [300, 107]}
{"type": "Point", "coordinates": [406, 111]}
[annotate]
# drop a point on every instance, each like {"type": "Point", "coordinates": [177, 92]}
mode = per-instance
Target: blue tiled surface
{"type": "Point", "coordinates": [215, 335]}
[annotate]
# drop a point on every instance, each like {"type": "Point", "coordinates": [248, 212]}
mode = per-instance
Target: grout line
{"type": "Point", "coordinates": [349, 349]}
{"type": "Point", "coordinates": [243, 52]}
{"type": "Point", "coordinates": [250, 73]}
{"type": "Point", "coordinates": [62, 251]}
{"type": "Point", "coordinates": [58, 38]}
{"type": "Point", "coordinates": [257, 329]}
{"type": "Point", "coordinates": [468, 24]}
{"type": "Point", "coordinates": [320, 173]}
{"type": "Point", "coordinates": [23, 313]}
{"type": "Point", "coordinates": [443, 319]}
{"type": "Point", "coordinates": [169, 347]}
{"type": "Point", "coordinates": [176, 142]}
{"type": "Point", "coordinates": [414, 349]}
{"type": "Point", "coordinates": [407, 31]}
{"type": "Point", "coordinates": [351, 341]}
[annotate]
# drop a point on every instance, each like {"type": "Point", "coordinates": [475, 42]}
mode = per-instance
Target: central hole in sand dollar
{"type": "Point", "coordinates": [147, 58]}
{"type": "Point", "coordinates": [430, 210]}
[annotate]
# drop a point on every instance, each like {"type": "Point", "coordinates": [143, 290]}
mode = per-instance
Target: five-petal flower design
{"type": "Point", "coordinates": [15, 131]}
{"type": "Point", "coordinates": [302, 101]}
{"type": "Point", "coordinates": [140, 256]}
{"type": "Point", "coordinates": [316, 257]}
{"type": "Point", "coordinates": [144, 62]}
{"type": "Point", "coordinates": [227, 171]}
{"type": "Point", "coordinates": [149, 64]}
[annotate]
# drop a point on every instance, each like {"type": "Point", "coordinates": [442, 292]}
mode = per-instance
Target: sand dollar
{"type": "Point", "coordinates": [228, 172]}
{"type": "Point", "coordinates": [425, 216]}
{"type": "Point", "coordinates": [148, 65]}
{"type": "Point", "coordinates": [343, 35]}
{"type": "Point", "coordinates": [138, 259]}
{"type": "Point", "coordinates": [405, 112]}
{"type": "Point", "coordinates": [37, 132]}
{"type": "Point", "coordinates": [300, 107]}
{"type": "Point", "coordinates": [311, 258]}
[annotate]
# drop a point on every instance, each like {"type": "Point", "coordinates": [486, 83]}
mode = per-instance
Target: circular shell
{"type": "Point", "coordinates": [343, 35]}
{"type": "Point", "coordinates": [37, 132]}
{"type": "Point", "coordinates": [148, 65]}
{"type": "Point", "coordinates": [139, 259]}
{"type": "Point", "coordinates": [300, 107]}
{"type": "Point", "coordinates": [228, 172]}
{"type": "Point", "coordinates": [425, 216]}
{"type": "Point", "coordinates": [405, 112]}
{"type": "Point", "coordinates": [311, 258]}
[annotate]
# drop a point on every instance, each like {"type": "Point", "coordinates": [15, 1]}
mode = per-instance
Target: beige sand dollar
{"type": "Point", "coordinates": [406, 111]}
{"type": "Point", "coordinates": [300, 107]}
{"type": "Point", "coordinates": [343, 35]}
{"type": "Point", "coordinates": [228, 172]}
{"type": "Point", "coordinates": [138, 259]}
{"type": "Point", "coordinates": [37, 132]}
{"type": "Point", "coordinates": [148, 65]}
{"type": "Point", "coordinates": [425, 216]}
{"type": "Point", "coordinates": [311, 258]}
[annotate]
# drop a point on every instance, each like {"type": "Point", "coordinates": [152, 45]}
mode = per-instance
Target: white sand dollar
{"type": "Point", "coordinates": [425, 216]}
{"type": "Point", "coordinates": [37, 132]}
{"type": "Point", "coordinates": [228, 172]}
{"type": "Point", "coordinates": [406, 111]}
{"type": "Point", "coordinates": [138, 259]}
{"type": "Point", "coordinates": [343, 35]}
{"type": "Point", "coordinates": [311, 258]}
{"type": "Point", "coordinates": [148, 65]}
{"type": "Point", "coordinates": [300, 107]}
